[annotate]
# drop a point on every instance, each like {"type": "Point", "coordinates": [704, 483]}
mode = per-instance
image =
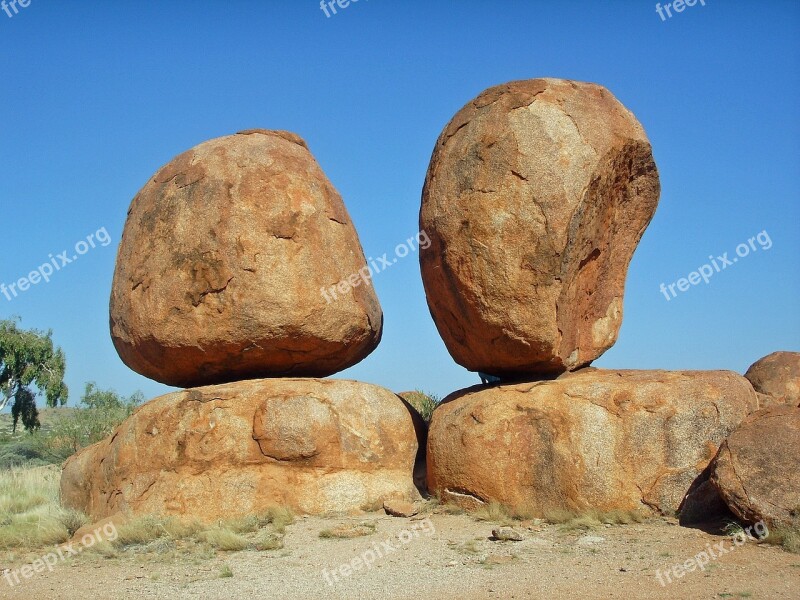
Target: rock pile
{"type": "Point", "coordinates": [535, 199]}
{"type": "Point", "coordinates": [218, 281]}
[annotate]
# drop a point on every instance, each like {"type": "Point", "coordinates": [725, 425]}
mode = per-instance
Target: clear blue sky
{"type": "Point", "coordinates": [98, 95]}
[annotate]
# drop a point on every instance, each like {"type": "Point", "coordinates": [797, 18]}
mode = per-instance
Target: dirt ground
{"type": "Point", "coordinates": [451, 555]}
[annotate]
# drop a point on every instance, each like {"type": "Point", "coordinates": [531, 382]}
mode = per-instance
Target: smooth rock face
{"type": "Point", "coordinates": [757, 470]}
{"type": "Point", "coordinates": [593, 439]}
{"type": "Point", "coordinates": [230, 450]}
{"type": "Point", "coordinates": [536, 197]}
{"type": "Point", "coordinates": [777, 376]}
{"type": "Point", "coordinates": [221, 265]}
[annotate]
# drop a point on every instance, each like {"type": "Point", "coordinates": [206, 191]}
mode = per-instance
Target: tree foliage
{"type": "Point", "coordinates": [96, 417]}
{"type": "Point", "coordinates": [423, 403]}
{"type": "Point", "coordinates": [28, 362]}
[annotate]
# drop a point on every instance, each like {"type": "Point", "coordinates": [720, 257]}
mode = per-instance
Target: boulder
{"type": "Point", "coordinates": [776, 378]}
{"type": "Point", "coordinates": [227, 266]}
{"type": "Point", "coordinates": [757, 469]}
{"type": "Point", "coordinates": [400, 508]}
{"type": "Point", "coordinates": [231, 450]}
{"type": "Point", "coordinates": [535, 199]}
{"type": "Point", "coordinates": [605, 440]}
{"type": "Point", "coordinates": [507, 534]}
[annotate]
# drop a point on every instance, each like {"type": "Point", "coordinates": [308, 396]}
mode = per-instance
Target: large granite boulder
{"type": "Point", "coordinates": [536, 197]}
{"type": "Point", "coordinates": [776, 378]}
{"type": "Point", "coordinates": [593, 439]}
{"type": "Point", "coordinates": [239, 260]}
{"type": "Point", "coordinates": [757, 470]}
{"type": "Point", "coordinates": [223, 451]}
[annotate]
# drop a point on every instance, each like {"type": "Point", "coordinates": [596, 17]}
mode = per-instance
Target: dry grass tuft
{"type": "Point", "coordinates": [348, 531]}
{"type": "Point", "coordinates": [787, 536]}
{"type": "Point", "coordinates": [31, 517]}
{"type": "Point", "coordinates": [592, 519]}
{"type": "Point", "coordinates": [225, 540]}
{"type": "Point", "coordinates": [494, 512]}
{"type": "Point", "coordinates": [30, 513]}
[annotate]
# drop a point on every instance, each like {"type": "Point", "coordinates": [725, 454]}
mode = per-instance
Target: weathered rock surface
{"type": "Point", "coordinates": [221, 265]}
{"type": "Point", "coordinates": [236, 449]}
{"type": "Point", "coordinates": [777, 376]}
{"type": "Point", "coordinates": [536, 197]}
{"type": "Point", "coordinates": [757, 470]}
{"type": "Point", "coordinates": [592, 439]}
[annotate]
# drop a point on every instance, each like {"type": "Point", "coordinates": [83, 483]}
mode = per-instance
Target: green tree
{"type": "Point", "coordinates": [29, 360]}
{"type": "Point", "coordinates": [96, 417]}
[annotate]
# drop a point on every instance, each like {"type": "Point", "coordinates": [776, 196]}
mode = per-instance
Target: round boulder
{"type": "Point", "coordinates": [536, 197]}
{"type": "Point", "coordinates": [757, 469]}
{"type": "Point", "coordinates": [239, 260]}
{"type": "Point", "coordinates": [776, 378]}
{"type": "Point", "coordinates": [237, 449]}
{"type": "Point", "coordinates": [595, 439]}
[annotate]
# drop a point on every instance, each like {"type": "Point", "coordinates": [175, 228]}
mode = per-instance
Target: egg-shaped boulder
{"type": "Point", "coordinates": [536, 197]}
{"type": "Point", "coordinates": [239, 261]}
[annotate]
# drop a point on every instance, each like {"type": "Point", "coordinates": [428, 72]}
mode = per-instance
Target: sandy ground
{"type": "Point", "coordinates": [451, 555]}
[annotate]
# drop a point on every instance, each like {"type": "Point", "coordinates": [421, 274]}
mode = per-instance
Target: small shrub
{"type": "Point", "coordinates": [280, 517]}
{"type": "Point", "coordinates": [277, 516]}
{"type": "Point", "coordinates": [267, 541]}
{"type": "Point", "coordinates": [348, 530]}
{"type": "Point", "coordinates": [787, 537]}
{"type": "Point", "coordinates": [225, 572]}
{"type": "Point", "coordinates": [225, 540]}
{"type": "Point", "coordinates": [494, 512]}
{"type": "Point", "coordinates": [423, 403]}
{"type": "Point", "coordinates": [100, 412]}
{"type": "Point", "coordinates": [72, 520]}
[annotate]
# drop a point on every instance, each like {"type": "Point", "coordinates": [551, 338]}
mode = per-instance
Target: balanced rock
{"type": "Point", "coordinates": [536, 197]}
{"type": "Point", "coordinates": [226, 266]}
{"type": "Point", "coordinates": [230, 450]}
{"type": "Point", "coordinates": [776, 378]}
{"type": "Point", "coordinates": [593, 439]}
{"type": "Point", "coordinates": [757, 470]}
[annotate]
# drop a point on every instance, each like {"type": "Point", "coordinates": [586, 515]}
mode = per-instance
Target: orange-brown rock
{"type": "Point", "coordinates": [757, 470]}
{"type": "Point", "coordinates": [535, 199]}
{"type": "Point", "coordinates": [223, 262]}
{"type": "Point", "coordinates": [776, 378]}
{"type": "Point", "coordinates": [593, 439]}
{"type": "Point", "coordinates": [237, 449]}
